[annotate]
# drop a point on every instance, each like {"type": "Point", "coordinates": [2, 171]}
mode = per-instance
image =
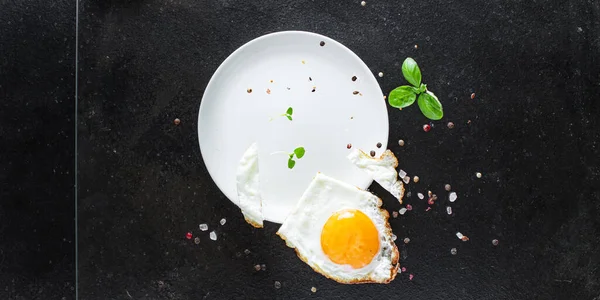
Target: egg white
{"type": "Point", "coordinates": [382, 170]}
{"type": "Point", "coordinates": [302, 230]}
{"type": "Point", "coordinates": [248, 187]}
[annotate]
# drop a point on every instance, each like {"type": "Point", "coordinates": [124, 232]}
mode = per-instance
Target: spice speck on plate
{"type": "Point", "coordinates": [349, 146]}
{"type": "Point", "coordinates": [416, 179]}
{"type": "Point", "coordinates": [378, 145]}
{"type": "Point", "coordinates": [322, 43]}
{"type": "Point", "coordinates": [448, 187]}
{"type": "Point", "coordinates": [269, 91]}
{"type": "Point", "coordinates": [408, 207]}
{"type": "Point", "coordinates": [249, 91]}
{"type": "Point", "coordinates": [473, 96]}
{"type": "Point", "coordinates": [372, 153]}
{"type": "Point", "coordinates": [450, 125]}
{"type": "Point", "coordinates": [188, 235]}
{"type": "Point", "coordinates": [426, 127]}
{"type": "Point", "coordinates": [411, 276]}
{"type": "Point", "coordinates": [355, 93]}
{"type": "Point", "coordinates": [354, 78]}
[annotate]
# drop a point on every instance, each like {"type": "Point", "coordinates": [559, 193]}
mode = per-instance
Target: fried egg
{"type": "Point", "coordinates": [382, 169]}
{"type": "Point", "coordinates": [248, 187]}
{"type": "Point", "coordinates": [341, 232]}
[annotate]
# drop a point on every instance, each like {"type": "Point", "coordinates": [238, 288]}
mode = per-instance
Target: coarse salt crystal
{"type": "Point", "coordinates": [213, 236]}
{"type": "Point", "coordinates": [203, 227]}
{"type": "Point", "coordinates": [402, 211]}
{"type": "Point", "coordinates": [401, 173]}
{"type": "Point", "coordinates": [222, 222]}
{"type": "Point", "coordinates": [452, 197]}
{"type": "Point", "coordinates": [453, 251]}
{"type": "Point", "coordinates": [459, 235]}
{"type": "Point", "coordinates": [421, 196]}
{"type": "Point", "coordinates": [395, 214]}
{"type": "Point", "coordinates": [406, 179]}
{"type": "Point", "coordinates": [406, 240]}
{"type": "Point", "coordinates": [449, 210]}
{"type": "Point", "coordinates": [313, 289]}
{"type": "Point", "coordinates": [394, 237]}
{"type": "Point", "coordinates": [495, 242]}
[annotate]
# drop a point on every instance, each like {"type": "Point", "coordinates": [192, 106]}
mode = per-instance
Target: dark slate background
{"type": "Point", "coordinates": [534, 67]}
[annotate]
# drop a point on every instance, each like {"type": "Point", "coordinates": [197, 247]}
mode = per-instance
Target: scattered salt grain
{"type": "Point", "coordinates": [402, 211]}
{"type": "Point", "coordinates": [452, 197]}
{"type": "Point", "coordinates": [313, 289]}
{"type": "Point", "coordinates": [257, 268]}
{"type": "Point", "coordinates": [394, 237]}
{"type": "Point", "coordinates": [277, 284]}
{"type": "Point", "coordinates": [406, 179]}
{"type": "Point", "coordinates": [363, 3]}
{"type": "Point", "coordinates": [222, 222]}
{"type": "Point", "coordinates": [459, 235]}
{"type": "Point", "coordinates": [406, 240]}
{"type": "Point", "coordinates": [401, 173]}
{"type": "Point", "coordinates": [408, 194]}
{"type": "Point", "coordinates": [478, 175]}
{"type": "Point", "coordinates": [380, 74]}
{"type": "Point", "coordinates": [449, 210]}
{"type": "Point", "coordinates": [213, 236]}
{"type": "Point", "coordinates": [401, 143]}
{"type": "Point", "coordinates": [246, 251]}
{"type": "Point", "coordinates": [197, 240]}
{"type": "Point", "coordinates": [416, 179]}
{"type": "Point", "coordinates": [421, 196]}
{"type": "Point", "coordinates": [410, 277]}
{"type": "Point", "coordinates": [203, 227]}
{"type": "Point", "coordinates": [408, 207]}
{"type": "Point", "coordinates": [495, 242]}
{"type": "Point", "coordinates": [448, 187]}
{"type": "Point", "coordinates": [453, 251]}
{"type": "Point", "coordinates": [395, 214]}
{"type": "Point", "coordinates": [263, 267]}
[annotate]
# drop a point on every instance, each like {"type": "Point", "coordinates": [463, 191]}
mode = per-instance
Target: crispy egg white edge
{"type": "Point", "coordinates": [382, 170]}
{"type": "Point", "coordinates": [302, 230]}
{"type": "Point", "coordinates": [248, 187]}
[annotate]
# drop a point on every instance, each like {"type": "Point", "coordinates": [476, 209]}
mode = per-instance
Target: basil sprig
{"type": "Point", "coordinates": [405, 96]}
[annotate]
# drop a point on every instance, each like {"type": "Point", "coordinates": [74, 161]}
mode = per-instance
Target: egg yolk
{"type": "Point", "coordinates": [349, 237]}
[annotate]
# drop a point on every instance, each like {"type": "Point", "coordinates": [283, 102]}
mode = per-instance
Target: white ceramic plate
{"type": "Point", "coordinates": [324, 121]}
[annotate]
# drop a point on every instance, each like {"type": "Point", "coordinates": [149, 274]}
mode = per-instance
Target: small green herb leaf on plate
{"type": "Point", "coordinates": [289, 111]}
{"type": "Point", "coordinates": [411, 71]}
{"type": "Point", "coordinates": [299, 152]}
{"type": "Point", "coordinates": [289, 117]}
{"type": "Point", "coordinates": [430, 106]}
{"type": "Point", "coordinates": [402, 96]}
{"type": "Point", "coordinates": [291, 163]}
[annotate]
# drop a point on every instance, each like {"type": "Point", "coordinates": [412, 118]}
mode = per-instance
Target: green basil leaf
{"type": "Point", "coordinates": [422, 88]}
{"type": "Point", "coordinates": [430, 106]}
{"type": "Point", "coordinates": [411, 71]}
{"type": "Point", "coordinates": [299, 152]}
{"type": "Point", "coordinates": [402, 96]}
{"type": "Point", "coordinates": [289, 111]}
{"type": "Point", "coordinates": [289, 117]}
{"type": "Point", "coordinates": [291, 163]}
